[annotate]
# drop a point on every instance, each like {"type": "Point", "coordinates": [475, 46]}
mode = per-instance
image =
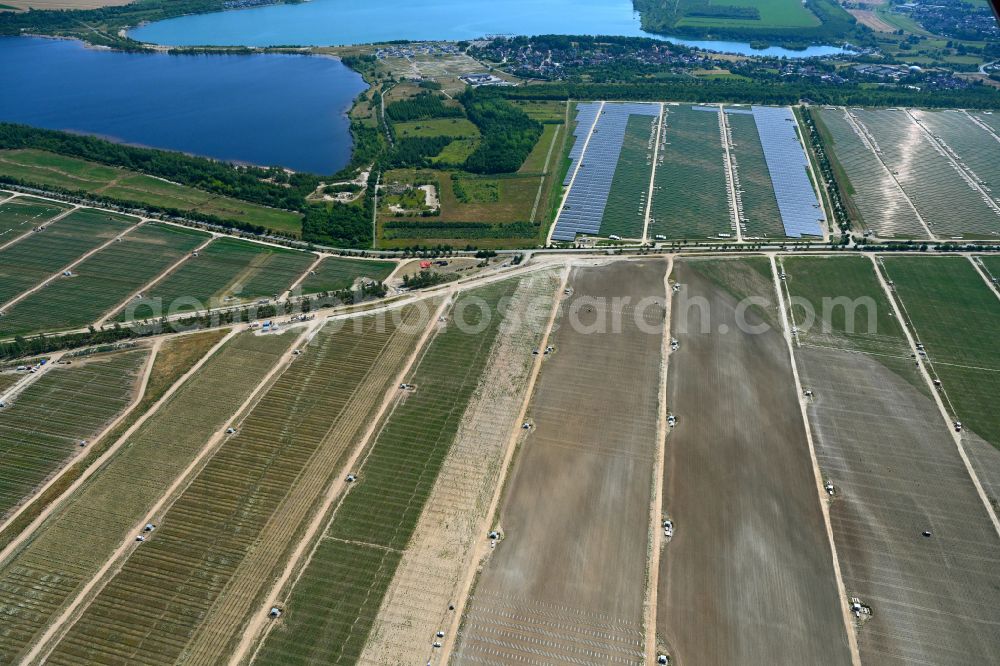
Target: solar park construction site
{"type": "Point", "coordinates": [694, 428]}
{"type": "Point", "coordinates": [674, 159]}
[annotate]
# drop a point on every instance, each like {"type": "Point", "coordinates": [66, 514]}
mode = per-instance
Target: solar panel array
{"type": "Point", "coordinates": [584, 206]}
{"type": "Point", "coordinates": [585, 114]}
{"type": "Point", "coordinates": [800, 211]}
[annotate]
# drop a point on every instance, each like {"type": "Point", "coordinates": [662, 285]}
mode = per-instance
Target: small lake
{"type": "Point", "coordinates": [340, 22]}
{"type": "Point", "coordinates": [286, 110]}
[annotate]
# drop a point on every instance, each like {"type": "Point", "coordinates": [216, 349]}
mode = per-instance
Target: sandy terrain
{"type": "Point", "coordinates": [898, 473]}
{"type": "Point", "coordinates": [748, 576]}
{"type": "Point", "coordinates": [872, 20]}
{"type": "Point", "coordinates": [566, 582]}
{"type": "Point", "coordinates": [431, 571]}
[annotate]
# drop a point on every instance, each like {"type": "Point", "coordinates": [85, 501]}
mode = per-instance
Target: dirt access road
{"type": "Point", "coordinates": [748, 576]}
{"type": "Point", "coordinates": [566, 584]}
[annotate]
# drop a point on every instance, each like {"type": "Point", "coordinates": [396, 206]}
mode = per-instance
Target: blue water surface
{"type": "Point", "coordinates": [286, 110]}
{"type": "Point", "coordinates": [338, 22]}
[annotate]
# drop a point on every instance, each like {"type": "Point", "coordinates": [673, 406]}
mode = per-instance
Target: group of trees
{"type": "Point", "coordinates": [508, 133]}
{"type": "Point", "coordinates": [420, 107]}
{"type": "Point", "coordinates": [754, 92]}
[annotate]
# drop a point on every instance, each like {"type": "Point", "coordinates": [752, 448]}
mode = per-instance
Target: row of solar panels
{"type": "Point", "coordinates": [583, 211]}
{"type": "Point", "coordinates": [585, 114]}
{"type": "Point", "coordinates": [584, 207]}
{"type": "Point", "coordinates": [801, 213]}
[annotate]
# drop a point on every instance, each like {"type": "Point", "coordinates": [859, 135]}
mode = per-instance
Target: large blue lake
{"type": "Point", "coordinates": [283, 110]}
{"type": "Point", "coordinates": [338, 22]}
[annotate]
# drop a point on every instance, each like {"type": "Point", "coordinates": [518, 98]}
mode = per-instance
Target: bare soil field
{"type": "Point", "coordinates": [432, 567]}
{"type": "Point", "coordinates": [897, 473]}
{"type": "Point", "coordinates": [566, 582]}
{"type": "Point", "coordinates": [872, 20]}
{"type": "Point", "coordinates": [748, 576]}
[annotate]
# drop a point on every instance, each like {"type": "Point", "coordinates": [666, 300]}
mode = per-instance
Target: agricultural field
{"type": "Point", "coordinates": [331, 608]}
{"type": "Point", "coordinates": [459, 128]}
{"type": "Point", "coordinates": [243, 510]}
{"type": "Point", "coordinates": [953, 312]}
{"type": "Point", "coordinates": [927, 175]}
{"type": "Point", "coordinates": [44, 168]}
{"type": "Point", "coordinates": [432, 571]}
{"type": "Point", "coordinates": [543, 111]}
{"type": "Point", "coordinates": [335, 273]}
{"type": "Point", "coordinates": [817, 288]}
{"type": "Point", "coordinates": [689, 190]}
{"type": "Point", "coordinates": [972, 144]}
{"type": "Point", "coordinates": [991, 263]}
{"type": "Point", "coordinates": [43, 425]}
{"type": "Point", "coordinates": [896, 472]}
{"type": "Point", "coordinates": [28, 262]}
{"type": "Point", "coordinates": [68, 549]}
{"type": "Point", "coordinates": [101, 282]}
{"type": "Point", "coordinates": [174, 358]}
{"type": "Point", "coordinates": [494, 211]}
{"type": "Point", "coordinates": [568, 576]}
{"type": "Point", "coordinates": [8, 379]}
{"type": "Point", "coordinates": [226, 272]}
{"type": "Point", "coordinates": [740, 488]}
{"type": "Point", "coordinates": [22, 214]}
{"type": "Point", "coordinates": [760, 206]}
{"type": "Point", "coordinates": [867, 185]}
{"type": "Point", "coordinates": [541, 155]}
{"type": "Point", "coordinates": [770, 14]}
{"type": "Point", "coordinates": [625, 211]}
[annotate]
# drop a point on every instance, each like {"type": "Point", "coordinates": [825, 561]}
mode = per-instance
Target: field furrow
{"type": "Point", "coordinates": [36, 258]}
{"type": "Point", "coordinates": [102, 281]}
{"type": "Point", "coordinates": [43, 426]}
{"type": "Point", "coordinates": [221, 541]}
{"type": "Point", "coordinates": [748, 575]}
{"type": "Point", "coordinates": [432, 569]}
{"type": "Point", "coordinates": [896, 473]}
{"type": "Point", "coordinates": [67, 550]}
{"type": "Point", "coordinates": [566, 582]}
{"type": "Point", "coordinates": [689, 190]}
{"type": "Point", "coordinates": [226, 272]}
{"type": "Point", "coordinates": [23, 214]}
{"type": "Point", "coordinates": [335, 273]}
{"type": "Point", "coordinates": [376, 518]}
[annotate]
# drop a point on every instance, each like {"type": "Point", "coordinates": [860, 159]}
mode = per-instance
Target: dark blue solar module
{"type": "Point", "coordinates": [584, 206]}
{"type": "Point", "coordinates": [786, 160]}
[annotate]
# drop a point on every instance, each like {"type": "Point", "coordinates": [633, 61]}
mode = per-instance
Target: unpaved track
{"type": "Point", "coordinates": [748, 575]}
{"type": "Point", "coordinates": [301, 278]}
{"type": "Point", "coordinates": [57, 629]}
{"type": "Point", "coordinates": [655, 507]}
{"type": "Point", "coordinates": [255, 633]}
{"type": "Point", "coordinates": [139, 392]}
{"type": "Point", "coordinates": [440, 560]}
{"type": "Point", "coordinates": [566, 583]}
{"type": "Point", "coordinates": [652, 177]}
